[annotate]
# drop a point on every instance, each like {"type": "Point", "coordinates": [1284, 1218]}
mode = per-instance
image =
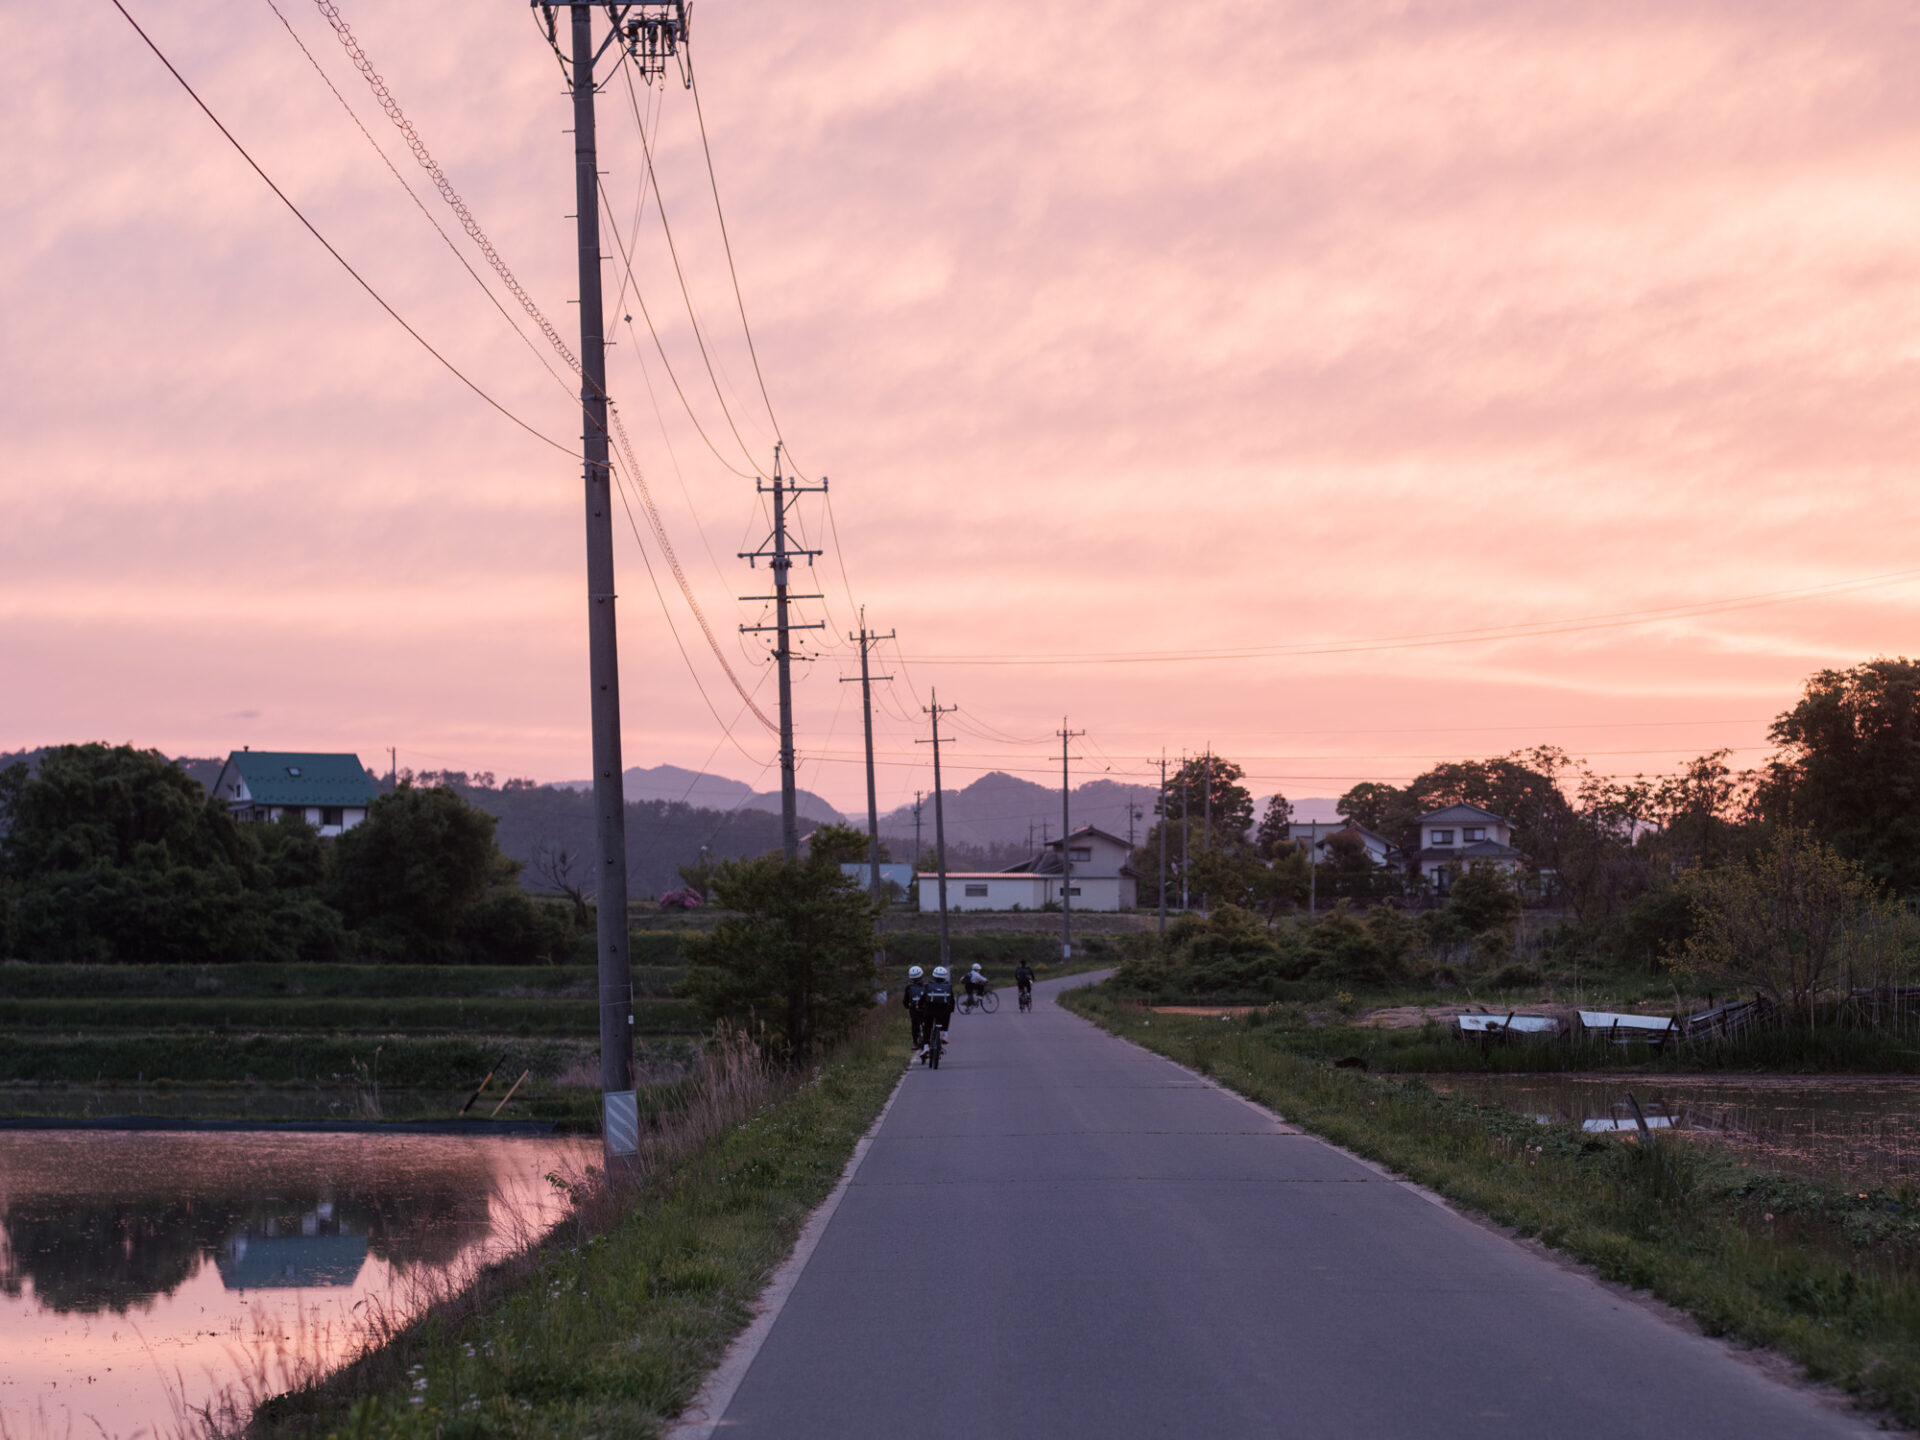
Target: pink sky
{"type": "Point", "coordinates": [1119, 327]}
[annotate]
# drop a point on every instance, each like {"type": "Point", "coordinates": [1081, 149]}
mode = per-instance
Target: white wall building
{"type": "Point", "coordinates": [331, 792]}
{"type": "Point", "coordinates": [1459, 836]}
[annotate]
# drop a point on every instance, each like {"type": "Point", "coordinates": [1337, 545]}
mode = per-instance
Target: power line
{"type": "Point", "coordinates": [326, 244]}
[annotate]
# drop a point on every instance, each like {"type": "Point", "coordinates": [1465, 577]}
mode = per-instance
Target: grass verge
{"type": "Point", "coordinates": [609, 1326]}
{"type": "Point", "coordinates": [1828, 1277]}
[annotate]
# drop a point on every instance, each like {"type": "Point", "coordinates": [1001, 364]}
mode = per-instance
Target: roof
{"type": "Point", "coordinates": [296, 777]}
{"type": "Point", "coordinates": [1479, 850]}
{"type": "Point", "coordinates": [1459, 813]}
{"type": "Point", "coordinates": [1083, 832]}
{"type": "Point", "coordinates": [976, 875]}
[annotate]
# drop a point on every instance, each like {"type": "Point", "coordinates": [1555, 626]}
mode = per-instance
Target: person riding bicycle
{"type": "Point", "coordinates": [976, 982]}
{"type": "Point", "coordinates": [914, 998]}
{"type": "Point", "coordinates": [938, 1003]}
{"type": "Point", "coordinates": [1023, 977]}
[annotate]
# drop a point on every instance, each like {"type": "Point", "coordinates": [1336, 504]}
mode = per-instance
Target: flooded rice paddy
{"type": "Point", "coordinates": [143, 1273]}
{"type": "Point", "coordinates": [1864, 1130]}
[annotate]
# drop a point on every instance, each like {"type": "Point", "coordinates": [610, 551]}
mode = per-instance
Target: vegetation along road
{"type": "Point", "coordinates": [1059, 1234]}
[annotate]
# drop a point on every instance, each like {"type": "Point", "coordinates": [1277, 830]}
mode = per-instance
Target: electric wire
{"type": "Point", "coordinates": [419, 204]}
{"type": "Point", "coordinates": [635, 476]}
{"type": "Point", "coordinates": [326, 244]}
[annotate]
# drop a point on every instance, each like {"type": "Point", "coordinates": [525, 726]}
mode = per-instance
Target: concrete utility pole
{"type": "Point", "coordinates": [1163, 842]}
{"type": "Point", "coordinates": [1066, 844]}
{"type": "Point", "coordinates": [1186, 788]}
{"type": "Point", "coordinates": [916, 827]}
{"type": "Point", "coordinates": [866, 638]}
{"type": "Point", "coordinates": [780, 560]}
{"type": "Point", "coordinates": [936, 710]}
{"type": "Point", "coordinates": [1313, 862]}
{"type": "Point", "coordinates": [619, 1118]}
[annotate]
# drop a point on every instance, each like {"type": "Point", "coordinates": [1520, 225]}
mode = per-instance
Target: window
{"type": "Point", "coordinates": [332, 815]}
{"type": "Point", "coordinates": [1080, 852]}
{"type": "Point", "coordinates": [976, 892]}
{"type": "Point", "coordinates": [293, 812]}
{"type": "Point", "coordinates": [1442, 837]}
{"type": "Point", "coordinates": [1474, 832]}
{"type": "Point", "coordinates": [294, 771]}
{"type": "Point", "coordinates": [1073, 890]}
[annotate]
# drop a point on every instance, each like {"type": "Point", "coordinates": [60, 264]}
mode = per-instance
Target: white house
{"type": "Point", "coordinates": [330, 792]}
{"type": "Point", "coordinates": [1100, 879]}
{"type": "Point", "coordinates": [989, 890]}
{"type": "Point", "coordinates": [1462, 835]}
{"type": "Point", "coordinates": [1314, 839]}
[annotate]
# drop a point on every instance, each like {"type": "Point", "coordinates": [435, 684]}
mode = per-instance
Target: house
{"type": "Point", "coordinates": [1462, 835]}
{"type": "Point", "coordinates": [330, 792]}
{"type": "Point", "coordinates": [896, 875]}
{"type": "Point", "coordinates": [989, 890]}
{"type": "Point", "coordinates": [1101, 879]}
{"type": "Point", "coordinates": [1315, 837]}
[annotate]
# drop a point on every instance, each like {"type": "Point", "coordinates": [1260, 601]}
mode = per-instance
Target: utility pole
{"type": "Point", "coordinates": [1134, 812]}
{"type": "Point", "coordinates": [1186, 789]}
{"type": "Point", "coordinates": [866, 639]}
{"type": "Point", "coordinates": [1164, 817]}
{"type": "Point", "coordinates": [665, 27]}
{"type": "Point", "coordinates": [393, 767]}
{"type": "Point", "coordinates": [916, 827]}
{"type": "Point", "coordinates": [780, 560]}
{"type": "Point", "coordinates": [1313, 862]}
{"type": "Point", "coordinates": [1066, 844]}
{"type": "Point", "coordinates": [936, 710]}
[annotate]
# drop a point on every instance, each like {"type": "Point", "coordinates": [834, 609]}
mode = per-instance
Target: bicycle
{"type": "Point", "coordinates": [1026, 998]}
{"type": "Point", "coordinates": [936, 1042]}
{"type": "Point", "coordinates": [988, 1000]}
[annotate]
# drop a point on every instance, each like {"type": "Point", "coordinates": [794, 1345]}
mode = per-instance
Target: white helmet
{"type": "Point", "coordinates": [914, 972]}
{"type": "Point", "coordinates": [976, 967]}
{"type": "Point", "coordinates": [940, 972]}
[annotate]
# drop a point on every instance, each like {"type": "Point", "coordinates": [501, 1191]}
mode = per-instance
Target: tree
{"type": "Point", "coordinates": [841, 845]}
{"type": "Point", "coordinates": [1787, 922]}
{"type": "Point", "coordinates": [1849, 767]}
{"type": "Point", "coordinates": [1274, 834]}
{"type": "Point", "coordinates": [562, 873]}
{"type": "Point", "coordinates": [407, 875]}
{"type": "Point", "coordinates": [1232, 804]}
{"type": "Point", "coordinates": [1483, 900]}
{"type": "Point", "coordinates": [1384, 809]}
{"type": "Point", "coordinates": [113, 854]}
{"type": "Point", "coordinates": [796, 949]}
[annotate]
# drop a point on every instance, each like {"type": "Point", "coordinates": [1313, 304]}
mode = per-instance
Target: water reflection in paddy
{"type": "Point", "coordinates": [1861, 1129]}
{"type": "Point", "coordinates": [134, 1261]}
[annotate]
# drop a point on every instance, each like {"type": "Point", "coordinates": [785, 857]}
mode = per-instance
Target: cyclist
{"type": "Point", "coordinates": [1023, 977]}
{"type": "Point", "coordinates": [938, 1003]}
{"type": "Point", "coordinates": [976, 982]}
{"type": "Point", "coordinates": [914, 997]}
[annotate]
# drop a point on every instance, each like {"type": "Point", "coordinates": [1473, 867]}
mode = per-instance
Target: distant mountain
{"type": "Point", "coordinates": [1000, 810]}
{"type": "Point", "coordinates": [677, 786]}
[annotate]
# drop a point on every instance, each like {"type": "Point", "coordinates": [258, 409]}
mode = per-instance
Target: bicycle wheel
{"type": "Point", "coordinates": [1026, 1000]}
{"type": "Point", "coordinates": [990, 1001]}
{"type": "Point", "coordinates": [934, 1047]}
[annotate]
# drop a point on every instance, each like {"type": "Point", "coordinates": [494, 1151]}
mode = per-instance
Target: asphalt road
{"type": "Point", "coordinates": [1059, 1236]}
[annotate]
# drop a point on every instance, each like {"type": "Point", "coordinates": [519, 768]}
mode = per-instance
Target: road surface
{"type": "Point", "coordinates": [1059, 1235]}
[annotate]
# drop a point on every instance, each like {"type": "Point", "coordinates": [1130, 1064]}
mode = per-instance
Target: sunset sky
{"type": "Point", "coordinates": [1124, 331]}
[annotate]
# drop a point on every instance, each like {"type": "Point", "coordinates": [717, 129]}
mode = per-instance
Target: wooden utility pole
{"type": "Point", "coordinates": [1066, 843]}
{"type": "Point", "coordinates": [936, 710]}
{"type": "Point", "coordinates": [780, 560]}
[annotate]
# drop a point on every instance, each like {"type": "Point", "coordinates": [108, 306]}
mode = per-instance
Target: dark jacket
{"type": "Point", "coordinates": [940, 999]}
{"type": "Point", "coordinates": [914, 995]}
{"type": "Point", "coordinates": [1023, 976]}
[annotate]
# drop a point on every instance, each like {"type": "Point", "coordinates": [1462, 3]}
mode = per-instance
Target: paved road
{"type": "Point", "coordinates": [1060, 1236]}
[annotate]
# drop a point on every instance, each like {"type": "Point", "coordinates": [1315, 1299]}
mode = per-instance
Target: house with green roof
{"type": "Point", "coordinates": [330, 792]}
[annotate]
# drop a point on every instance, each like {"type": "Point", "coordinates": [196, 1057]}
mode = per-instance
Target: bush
{"type": "Point", "coordinates": [406, 877]}
{"type": "Point", "coordinates": [796, 951]}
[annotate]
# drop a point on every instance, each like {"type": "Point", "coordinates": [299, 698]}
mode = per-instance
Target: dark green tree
{"type": "Point", "coordinates": [1232, 812]}
{"type": "Point", "coordinates": [113, 854]}
{"type": "Point", "coordinates": [1273, 835]}
{"type": "Point", "coordinates": [407, 876]}
{"type": "Point", "coordinates": [795, 951]}
{"type": "Point", "coordinates": [1849, 767]}
{"type": "Point", "coordinates": [842, 845]}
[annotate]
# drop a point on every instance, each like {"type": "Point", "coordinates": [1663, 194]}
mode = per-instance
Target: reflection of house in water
{"type": "Point", "coordinates": [272, 1257]}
